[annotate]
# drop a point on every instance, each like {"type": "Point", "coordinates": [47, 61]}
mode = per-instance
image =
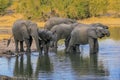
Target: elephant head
{"type": "Point", "coordinates": [53, 39]}
{"type": "Point", "coordinates": [32, 30]}
{"type": "Point", "coordinates": [47, 36]}
{"type": "Point", "coordinates": [98, 32]}
{"type": "Point", "coordinates": [102, 29]}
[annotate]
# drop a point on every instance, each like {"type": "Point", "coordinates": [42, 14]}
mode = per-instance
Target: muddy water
{"type": "Point", "coordinates": [103, 66]}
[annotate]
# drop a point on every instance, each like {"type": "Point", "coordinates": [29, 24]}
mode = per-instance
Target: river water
{"type": "Point", "coordinates": [60, 66]}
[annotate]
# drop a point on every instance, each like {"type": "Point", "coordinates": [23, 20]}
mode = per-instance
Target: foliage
{"type": "Point", "coordinates": [77, 9]}
{"type": "Point", "coordinates": [3, 5]}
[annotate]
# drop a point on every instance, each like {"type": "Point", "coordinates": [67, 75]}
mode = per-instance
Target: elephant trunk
{"type": "Point", "coordinates": [107, 33]}
{"type": "Point", "coordinates": [36, 38]}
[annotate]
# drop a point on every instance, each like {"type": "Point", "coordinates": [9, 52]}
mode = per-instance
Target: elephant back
{"type": "Point", "coordinates": [20, 30]}
{"type": "Point", "coordinates": [56, 21]}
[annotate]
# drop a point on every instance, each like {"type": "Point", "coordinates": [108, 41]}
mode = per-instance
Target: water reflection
{"type": "Point", "coordinates": [28, 67]}
{"type": "Point", "coordinates": [16, 68]}
{"type": "Point", "coordinates": [94, 64]}
{"type": "Point", "coordinates": [43, 65]}
{"type": "Point", "coordinates": [24, 69]}
{"type": "Point", "coordinates": [21, 66]}
{"type": "Point", "coordinates": [21, 69]}
{"type": "Point", "coordinates": [86, 65]}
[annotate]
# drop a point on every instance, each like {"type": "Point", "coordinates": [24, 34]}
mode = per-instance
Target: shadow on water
{"type": "Point", "coordinates": [102, 66]}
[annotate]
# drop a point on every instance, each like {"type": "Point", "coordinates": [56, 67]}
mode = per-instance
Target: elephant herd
{"type": "Point", "coordinates": [55, 29]}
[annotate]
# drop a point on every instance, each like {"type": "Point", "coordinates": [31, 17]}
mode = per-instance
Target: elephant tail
{"type": "Point", "coordinates": [9, 40]}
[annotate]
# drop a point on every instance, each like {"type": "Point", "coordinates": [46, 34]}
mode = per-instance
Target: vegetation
{"type": "Point", "coordinates": [3, 5]}
{"type": "Point", "coordinates": [77, 9]}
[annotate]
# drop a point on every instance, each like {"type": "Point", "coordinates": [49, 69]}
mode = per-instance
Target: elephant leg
{"type": "Point", "coordinates": [73, 49]}
{"type": "Point", "coordinates": [41, 46]}
{"type": "Point", "coordinates": [77, 48]}
{"type": "Point", "coordinates": [56, 44]}
{"type": "Point", "coordinates": [67, 41]}
{"type": "Point", "coordinates": [28, 45]}
{"type": "Point", "coordinates": [96, 45]}
{"type": "Point", "coordinates": [66, 44]}
{"type": "Point", "coordinates": [30, 40]}
{"type": "Point", "coordinates": [16, 46]}
{"type": "Point", "coordinates": [46, 48]}
{"type": "Point", "coordinates": [91, 44]}
{"type": "Point", "coordinates": [21, 46]}
{"type": "Point", "coordinates": [70, 47]}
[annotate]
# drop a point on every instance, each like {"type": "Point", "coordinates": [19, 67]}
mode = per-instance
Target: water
{"type": "Point", "coordinates": [61, 66]}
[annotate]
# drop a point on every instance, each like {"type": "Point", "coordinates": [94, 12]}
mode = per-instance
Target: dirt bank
{"type": "Point", "coordinates": [10, 50]}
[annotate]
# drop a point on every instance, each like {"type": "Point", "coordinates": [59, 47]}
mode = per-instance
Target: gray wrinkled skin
{"type": "Point", "coordinates": [62, 31]}
{"type": "Point", "coordinates": [46, 38]}
{"type": "Point", "coordinates": [57, 20]}
{"type": "Point", "coordinates": [86, 34]}
{"type": "Point", "coordinates": [24, 30]}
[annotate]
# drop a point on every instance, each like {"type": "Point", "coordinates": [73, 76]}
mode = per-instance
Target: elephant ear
{"type": "Point", "coordinates": [24, 30]}
{"type": "Point", "coordinates": [92, 33]}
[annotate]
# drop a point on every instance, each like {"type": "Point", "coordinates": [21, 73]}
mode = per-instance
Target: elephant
{"type": "Point", "coordinates": [62, 31]}
{"type": "Point", "coordinates": [57, 20]}
{"type": "Point", "coordinates": [47, 39]}
{"type": "Point", "coordinates": [24, 30]}
{"type": "Point", "coordinates": [87, 34]}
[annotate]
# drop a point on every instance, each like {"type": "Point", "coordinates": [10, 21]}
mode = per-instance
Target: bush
{"type": "Point", "coordinates": [3, 5]}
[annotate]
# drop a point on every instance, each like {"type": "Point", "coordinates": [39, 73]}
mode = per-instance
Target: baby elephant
{"type": "Point", "coordinates": [47, 37]}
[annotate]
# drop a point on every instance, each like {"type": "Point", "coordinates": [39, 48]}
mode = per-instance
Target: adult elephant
{"type": "Point", "coordinates": [47, 39]}
{"type": "Point", "coordinates": [24, 30]}
{"type": "Point", "coordinates": [62, 31]}
{"type": "Point", "coordinates": [57, 20]}
{"type": "Point", "coordinates": [87, 34]}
